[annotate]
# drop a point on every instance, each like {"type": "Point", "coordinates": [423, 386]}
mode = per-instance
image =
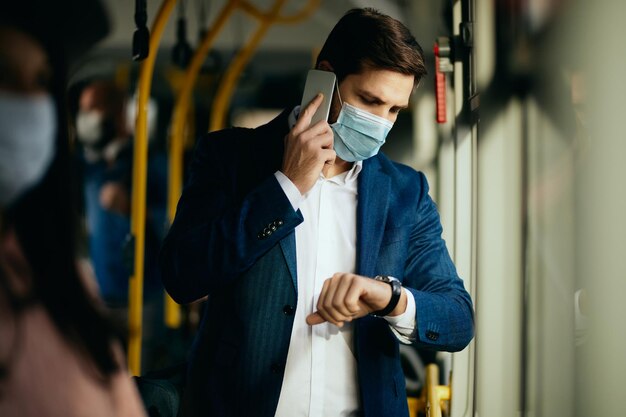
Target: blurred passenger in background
{"type": "Point", "coordinates": [59, 355]}
{"type": "Point", "coordinates": [106, 167]}
{"type": "Point", "coordinates": [106, 158]}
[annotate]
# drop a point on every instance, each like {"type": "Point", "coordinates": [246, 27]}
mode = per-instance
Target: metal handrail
{"type": "Point", "coordinates": [176, 143]}
{"type": "Point", "coordinates": [253, 11]}
{"type": "Point", "coordinates": [138, 202]}
{"type": "Point", "coordinates": [227, 86]}
{"type": "Point", "coordinates": [434, 397]}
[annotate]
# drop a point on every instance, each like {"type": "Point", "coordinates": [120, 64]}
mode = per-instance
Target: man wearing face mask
{"type": "Point", "coordinates": [106, 167]}
{"type": "Point", "coordinates": [100, 124]}
{"type": "Point", "coordinates": [319, 255]}
{"type": "Point", "coordinates": [106, 171]}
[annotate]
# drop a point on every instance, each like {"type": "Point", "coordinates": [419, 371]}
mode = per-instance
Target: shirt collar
{"type": "Point", "coordinates": [346, 178]}
{"type": "Point", "coordinates": [354, 172]}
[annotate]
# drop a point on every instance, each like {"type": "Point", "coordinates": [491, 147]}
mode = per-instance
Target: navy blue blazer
{"type": "Point", "coordinates": [216, 247]}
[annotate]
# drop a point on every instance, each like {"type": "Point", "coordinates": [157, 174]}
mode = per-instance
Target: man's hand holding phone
{"type": "Point", "coordinates": [308, 148]}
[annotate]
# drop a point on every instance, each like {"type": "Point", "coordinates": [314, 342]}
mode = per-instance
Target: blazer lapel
{"type": "Point", "coordinates": [288, 245]}
{"type": "Point", "coordinates": [371, 215]}
{"type": "Point", "coordinates": [270, 142]}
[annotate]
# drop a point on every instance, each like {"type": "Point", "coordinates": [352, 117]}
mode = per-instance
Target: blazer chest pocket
{"type": "Point", "coordinates": [393, 251]}
{"type": "Point", "coordinates": [396, 234]}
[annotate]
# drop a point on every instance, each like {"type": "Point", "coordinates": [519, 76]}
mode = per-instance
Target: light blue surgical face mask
{"type": "Point", "coordinates": [358, 134]}
{"type": "Point", "coordinates": [26, 142]}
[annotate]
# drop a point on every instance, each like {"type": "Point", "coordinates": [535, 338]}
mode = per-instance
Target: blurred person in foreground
{"type": "Point", "coordinates": [319, 254]}
{"type": "Point", "coordinates": [59, 355]}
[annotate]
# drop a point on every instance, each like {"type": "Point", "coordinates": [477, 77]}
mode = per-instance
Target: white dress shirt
{"type": "Point", "coordinates": [321, 375]}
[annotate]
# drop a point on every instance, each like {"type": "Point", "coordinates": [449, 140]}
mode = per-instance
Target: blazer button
{"type": "Point", "coordinates": [288, 310]}
{"type": "Point", "coordinates": [430, 335]}
{"type": "Point", "coordinates": [277, 223]}
{"type": "Point", "coordinates": [272, 227]}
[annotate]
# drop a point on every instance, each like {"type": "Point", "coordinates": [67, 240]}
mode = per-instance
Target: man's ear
{"type": "Point", "coordinates": [325, 66]}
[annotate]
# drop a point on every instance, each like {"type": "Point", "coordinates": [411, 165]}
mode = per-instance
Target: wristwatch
{"type": "Point", "coordinates": [396, 290]}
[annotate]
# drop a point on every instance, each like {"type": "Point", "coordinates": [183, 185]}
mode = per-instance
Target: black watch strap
{"type": "Point", "coordinates": [396, 290]}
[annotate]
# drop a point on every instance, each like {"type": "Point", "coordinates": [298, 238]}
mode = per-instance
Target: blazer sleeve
{"type": "Point", "coordinates": [231, 212]}
{"type": "Point", "coordinates": [444, 311]}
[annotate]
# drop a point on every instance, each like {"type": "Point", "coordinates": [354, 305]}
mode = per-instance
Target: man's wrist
{"type": "Point", "coordinates": [290, 189]}
{"type": "Point", "coordinates": [396, 296]}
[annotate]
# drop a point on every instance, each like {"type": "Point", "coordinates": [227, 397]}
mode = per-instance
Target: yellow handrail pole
{"type": "Point", "coordinates": [183, 99]}
{"type": "Point", "coordinates": [433, 408]}
{"type": "Point", "coordinates": [444, 393]}
{"type": "Point", "coordinates": [179, 117]}
{"type": "Point", "coordinates": [431, 400]}
{"type": "Point", "coordinates": [138, 208]}
{"type": "Point", "coordinates": [225, 90]}
{"type": "Point", "coordinates": [435, 393]}
{"type": "Point", "coordinates": [309, 8]}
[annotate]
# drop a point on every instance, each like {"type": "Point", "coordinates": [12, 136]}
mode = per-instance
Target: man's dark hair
{"type": "Point", "coordinates": [366, 38]}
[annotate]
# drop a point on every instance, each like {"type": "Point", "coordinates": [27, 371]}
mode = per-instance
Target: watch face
{"type": "Point", "coordinates": [383, 278]}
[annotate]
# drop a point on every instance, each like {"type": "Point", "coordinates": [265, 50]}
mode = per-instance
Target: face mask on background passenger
{"type": "Point", "coordinates": [358, 133]}
{"type": "Point", "coordinates": [27, 144]}
{"type": "Point", "coordinates": [94, 129]}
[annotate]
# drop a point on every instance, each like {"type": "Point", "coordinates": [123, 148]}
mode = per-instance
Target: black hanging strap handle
{"type": "Point", "coordinates": [141, 37]}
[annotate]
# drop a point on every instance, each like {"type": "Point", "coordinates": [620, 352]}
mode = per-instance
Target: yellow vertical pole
{"type": "Point", "coordinates": [138, 208]}
{"type": "Point", "coordinates": [435, 393]}
{"type": "Point", "coordinates": [175, 182]}
{"type": "Point", "coordinates": [225, 91]}
{"type": "Point", "coordinates": [434, 398]}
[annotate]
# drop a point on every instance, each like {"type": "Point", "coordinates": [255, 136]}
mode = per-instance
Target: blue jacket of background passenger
{"type": "Point", "coordinates": [216, 247]}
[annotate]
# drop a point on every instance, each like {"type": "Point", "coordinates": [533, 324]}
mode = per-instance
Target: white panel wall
{"type": "Point", "coordinates": [498, 298]}
{"type": "Point", "coordinates": [601, 210]}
